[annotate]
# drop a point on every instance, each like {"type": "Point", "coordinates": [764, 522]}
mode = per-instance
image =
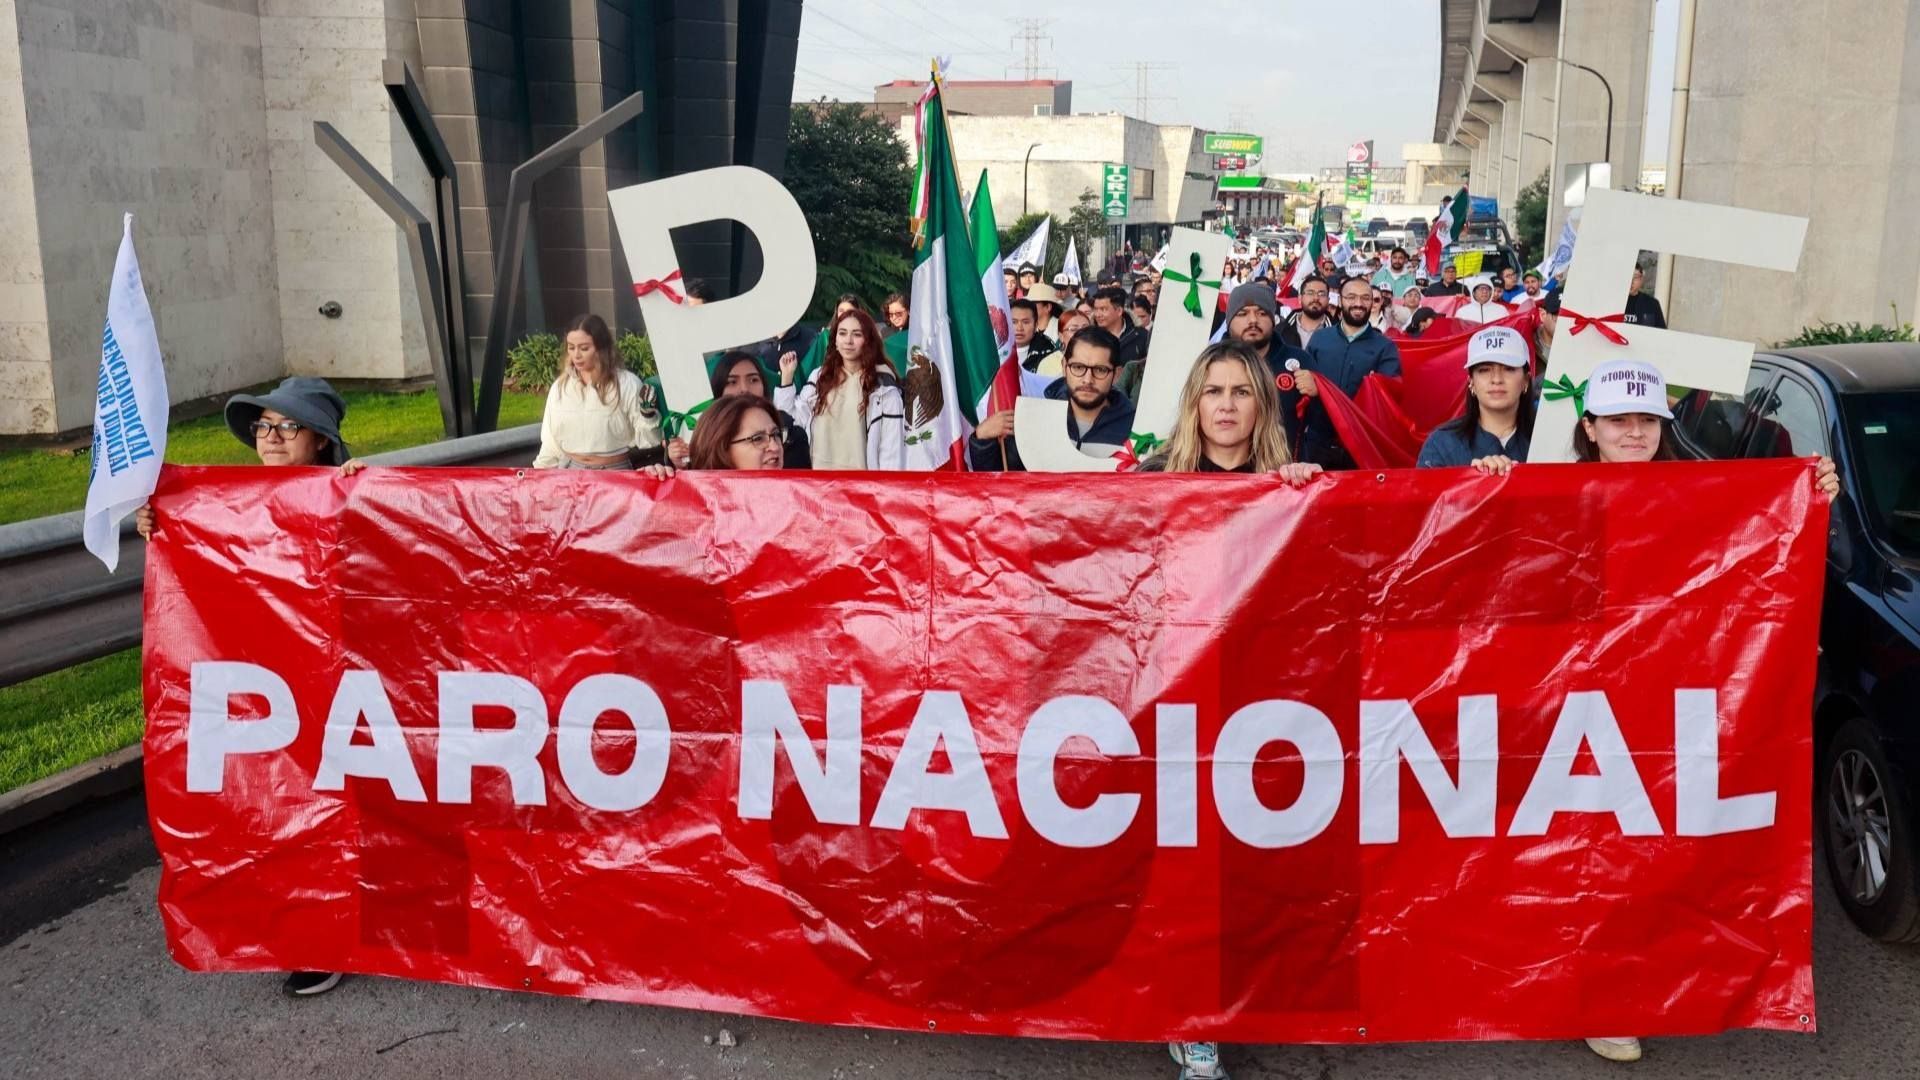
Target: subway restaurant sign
{"type": "Point", "coordinates": [1251, 145]}
{"type": "Point", "coordinates": [1114, 190]}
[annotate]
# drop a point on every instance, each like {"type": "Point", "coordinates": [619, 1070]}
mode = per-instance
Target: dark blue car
{"type": "Point", "coordinates": [1860, 405]}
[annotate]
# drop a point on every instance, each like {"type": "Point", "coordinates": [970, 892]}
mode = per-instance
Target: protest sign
{"type": "Point", "coordinates": [968, 754]}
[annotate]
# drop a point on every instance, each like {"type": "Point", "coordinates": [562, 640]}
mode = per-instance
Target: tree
{"type": "Point", "coordinates": [1530, 217]}
{"type": "Point", "coordinates": [849, 173]}
{"type": "Point", "coordinates": [1083, 223]}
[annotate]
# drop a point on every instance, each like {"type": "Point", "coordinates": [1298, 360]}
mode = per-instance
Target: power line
{"type": "Point", "coordinates": [956, 26]}
{"type": "Point", "coordinates": [1032, 33]}
{"type": "Point", "coordinates": [861, 90]}
{"type": "Point", "coordinates": [1143, 95]}
{"type": "Point", "coordinates": [854, 30]}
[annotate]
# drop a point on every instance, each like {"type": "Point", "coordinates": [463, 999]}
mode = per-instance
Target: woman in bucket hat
{"type": "Point", "coordinates": [296, 423]}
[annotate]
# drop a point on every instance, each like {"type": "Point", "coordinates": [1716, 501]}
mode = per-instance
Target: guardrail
{"type": "Point", "coordinates": [59, 607]}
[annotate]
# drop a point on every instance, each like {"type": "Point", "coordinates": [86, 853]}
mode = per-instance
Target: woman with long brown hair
{"type": "Point", "coordinates": [1229, 420]}
{"type": "Point", "coordinates": [850, 408]}
{"type": "Point", "coordinates": [596, 410]}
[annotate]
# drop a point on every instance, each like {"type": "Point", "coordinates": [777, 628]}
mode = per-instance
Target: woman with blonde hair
{"type": "Point", "coordinates": [1229, 420]}
{"type": "Point", "coordinates": [596, 410]}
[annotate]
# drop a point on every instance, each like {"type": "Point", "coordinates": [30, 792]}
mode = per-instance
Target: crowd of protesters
{"type": "Point", "coordinates": [1252, 402]}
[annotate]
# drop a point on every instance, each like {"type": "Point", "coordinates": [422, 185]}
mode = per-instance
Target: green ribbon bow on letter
{"type": "Point", "coordinates": [678, 422]}
{"type": "Point", "coordinates": [1565, 390]}
{"type": "Point", "coordinates": [1144, 443]}
{"type": "Point", "coordinates": [1194, 281]}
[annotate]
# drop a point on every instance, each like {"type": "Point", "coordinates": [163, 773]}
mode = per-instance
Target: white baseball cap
{"type": "Point", "coordinates": [1497, 345]}
{"type": "Point", "coordinates": [1620, 387]}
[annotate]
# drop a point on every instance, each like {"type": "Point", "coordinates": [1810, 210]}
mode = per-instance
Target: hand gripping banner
{"type": "Point", "coordinates": [1399, 756]}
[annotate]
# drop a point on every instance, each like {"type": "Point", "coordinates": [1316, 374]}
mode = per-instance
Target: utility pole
{"type": "Point", "coordinates": [1032, 33]}
{"type": "Point", "coordinates": [1143, 97]}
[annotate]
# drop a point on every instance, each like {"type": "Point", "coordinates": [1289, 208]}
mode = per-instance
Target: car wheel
{"type": "Point", "coordinates": [1864, 816]}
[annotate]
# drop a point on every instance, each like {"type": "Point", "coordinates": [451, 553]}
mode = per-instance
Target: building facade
{"type": "Point", "coordinates": [198, 118]}
{"type": "Point", "coordinates": [979, 97]}
{"type": "Point", "coordinates": [1048, 163]}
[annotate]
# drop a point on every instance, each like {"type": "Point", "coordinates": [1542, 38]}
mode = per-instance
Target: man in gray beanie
{"type": "Point", "coordinates": [1251, 317]}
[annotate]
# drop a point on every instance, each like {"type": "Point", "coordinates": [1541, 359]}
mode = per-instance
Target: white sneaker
{"type": "Point", "coordinates": [1197, 1060]}
{"type": "Point", "coordinates": [1616, 1049]}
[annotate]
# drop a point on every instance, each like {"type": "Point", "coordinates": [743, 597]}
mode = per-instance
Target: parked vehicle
{"type": "Point", "coordinates": [1374, 225]}
{"type": "Point", "coordinates": [1860, 405]}
{"type": "Point", "coordinates": [1489, 236]}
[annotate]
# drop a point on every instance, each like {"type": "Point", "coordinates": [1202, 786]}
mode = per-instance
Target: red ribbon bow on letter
{"type": "Point", "coordinates": [1581, 322]}
{"type": "Point", "coordinates": [663, 285]}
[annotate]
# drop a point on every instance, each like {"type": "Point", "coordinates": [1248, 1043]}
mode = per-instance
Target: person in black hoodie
{"type": "Point", "coordinates": [1099, 417]}
{"type": "Point", "coordinates": [1641, 308]}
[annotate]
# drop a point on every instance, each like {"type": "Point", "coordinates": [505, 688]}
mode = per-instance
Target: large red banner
{"type": "Point", "coordinates": [1398, 756]}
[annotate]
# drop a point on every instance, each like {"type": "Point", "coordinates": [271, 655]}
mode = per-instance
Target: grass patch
{"type": "Point", "coordinates": [35, 483]}
{"type": "Point", "coordinates": [60, 720]}
{"type": "Point", "coordinates": [57, 721]}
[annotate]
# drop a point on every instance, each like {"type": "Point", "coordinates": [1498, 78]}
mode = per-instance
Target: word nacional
{"type": "Point", "coordinates": [1461, 793]}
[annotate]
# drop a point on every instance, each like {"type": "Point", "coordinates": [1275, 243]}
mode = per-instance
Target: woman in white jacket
{"type": "Point", "coordinates": [850, 408]}
{"type": "Point", "coordinates": [596, 410]}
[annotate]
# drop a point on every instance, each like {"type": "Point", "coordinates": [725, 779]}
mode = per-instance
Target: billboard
{"type": "Point", "coordinates": [1115, 190]}
{"type": "Point", "coordinates": [1228, 143]}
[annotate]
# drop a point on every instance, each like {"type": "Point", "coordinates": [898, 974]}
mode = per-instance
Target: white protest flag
{"type": "Point", "coordinates": [1562, 256]}
{"type": "Point", "coordinates": [1072, 268]}
{"type": "Point", "coordinates": [1033, 250]}
{"type": "Point", "coordinates": [129, 411]}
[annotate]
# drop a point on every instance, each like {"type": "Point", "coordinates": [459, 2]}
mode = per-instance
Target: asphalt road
{"type": "Point", "coordinates": [86, 990]}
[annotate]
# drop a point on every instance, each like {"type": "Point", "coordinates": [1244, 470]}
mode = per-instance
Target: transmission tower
{"type": "Point", "coordinates": [1032, 33]}
{"type": "Point", "coordinates": [1143, 95]}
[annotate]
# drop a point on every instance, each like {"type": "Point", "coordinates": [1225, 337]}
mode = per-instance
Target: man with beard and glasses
{"type": "Point", "coordinates": [1250, 322]}
{"type": "Point", "coordinates": [1313, 313]}
{"type": "Point", "coordinates": [1099, 416]}
{"type": "Point", "coordinates": [1344, 354]}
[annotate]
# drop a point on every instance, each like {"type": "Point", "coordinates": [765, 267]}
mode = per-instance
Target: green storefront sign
{"type": "Point", "coordinates": [1226, 143]}
{"type": "Point", "coordinates": [1242, 182]}
{"type": "Point", "coordinates": [1115, 190]}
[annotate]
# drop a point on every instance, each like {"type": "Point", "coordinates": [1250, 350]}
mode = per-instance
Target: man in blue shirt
{"type": "Point", "coordinates": [1345, 354]}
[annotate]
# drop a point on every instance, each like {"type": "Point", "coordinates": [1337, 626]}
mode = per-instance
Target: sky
{"type": "Point", "coordinates": [1311, 78]}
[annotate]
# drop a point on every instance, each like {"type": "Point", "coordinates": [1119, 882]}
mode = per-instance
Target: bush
{"type": "Point", "coordinates": [637, 353]}
{"type": "Point", "coordinates": [535, 362]}
{"type": "Point", "coordinates": [1832, 333]}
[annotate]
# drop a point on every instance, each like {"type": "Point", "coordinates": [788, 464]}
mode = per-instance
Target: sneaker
{"type": "Point", "coordinates": [1616, 1049]}
{"type": "Point", "coordinates": [309, 983]}
{"type": "Point", "coordinates": [1197, 1060]}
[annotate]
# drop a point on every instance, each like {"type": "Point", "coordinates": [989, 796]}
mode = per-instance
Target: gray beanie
{"type": "Point", "coordinates": [1251, 293]}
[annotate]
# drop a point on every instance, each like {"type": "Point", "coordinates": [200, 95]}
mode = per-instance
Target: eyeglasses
{"type": "Point", "coordinates": [757, 440]}
{"type": "Point", "coordinates": [287, 429]}
{"type": "Point", "coordinates": [1098, 371]}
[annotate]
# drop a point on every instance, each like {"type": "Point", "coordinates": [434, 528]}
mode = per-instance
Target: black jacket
{"type": "Point", "coordinates": [1644, 310]}
{"type": "Point", "coordinates": [1039, 349]}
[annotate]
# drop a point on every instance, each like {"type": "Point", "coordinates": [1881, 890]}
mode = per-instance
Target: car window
{"type": "Point", "coordinates": [1714, 420]}
{"type": "Point", "coordinates": [1884, 431]}
{"type": "Point", "coordinates": [1788, 423]}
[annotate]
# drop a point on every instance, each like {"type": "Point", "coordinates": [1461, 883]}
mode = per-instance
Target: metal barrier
{"type": "Point", "coordinates": [59, 607]}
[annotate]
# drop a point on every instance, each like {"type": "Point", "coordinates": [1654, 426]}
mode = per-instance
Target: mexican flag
{"type": "Point", "coordinates": [1308, 261]}
{"type": "Point", "coordinates": [952, 356]}
{"type": "Point", "coordinates": [1446, 229]}
{"type": "Point", "coordinates": [986, 255]}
